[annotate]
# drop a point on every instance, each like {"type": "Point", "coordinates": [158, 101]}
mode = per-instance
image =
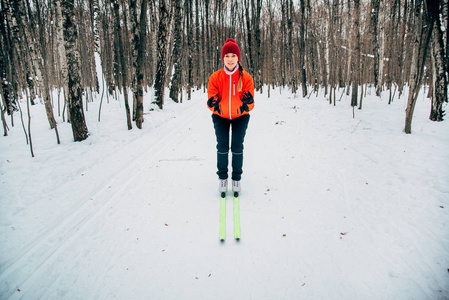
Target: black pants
{"type": "Point", "coordinates": [222, 127]}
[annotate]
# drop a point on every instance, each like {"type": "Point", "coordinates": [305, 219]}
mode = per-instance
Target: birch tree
{"type": "Point", "coordinates": [79, 127]}
{"type": "Point", "coordinates": [439, 79]}
{"type": "Point", "coordinates": [61, 53]}
{"type": "Point", "coordinates": [356, 55]}
{"type": "Point", "coordinates": [43, 65]}
{"type": "Point", "coordinates": [6, 69]}
{"type": "Point", "coordinates": [302, 48]}
{"type": "Point", "coordinates": [176, 54]}
{"type": "Point", "coordinates": [423, 25]}
{"type": "Point", "coordinates": [120, 57]}
{"type": "Point", "coordinates": [191, 46]}
{"type": "Point", "coordinates": [375, 5]}
{"type": "Point", "coordinates": [139, 41]}
{"type": "Point", "coordinates": [252, 20]}
{"type": "Point", "coordinates": [162, 39]}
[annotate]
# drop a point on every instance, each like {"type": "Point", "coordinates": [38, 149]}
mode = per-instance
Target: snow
{"type": "Point", "coordinates": [332, 207]}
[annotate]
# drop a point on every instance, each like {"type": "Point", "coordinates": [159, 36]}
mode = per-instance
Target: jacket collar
{"type": "Point", "coordinates": [231, 72]}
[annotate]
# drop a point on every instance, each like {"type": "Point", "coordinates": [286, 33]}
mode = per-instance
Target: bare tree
{"type": "Point", "coordinates": [43, 63]}
{"type": "Point", "coordinates": [439, 80]}
{"type": "Point", "coordinates": [79, 127]}
{"type": "Point", "coordinates": [302, 48]}
{"type": "Point", "coordinates": [424, 25]}
{"type": "Point", "coordinates": [355, 67]}
{"type": "Point", "coordinates": [139, 39]}
{"type": "Point", "coordinates": [5, 67]}
{"type": "Point", "coordinates": [177, 64]}
{"type": "Point", "coordinates": [445, 13]}
{"type": "Point", "coordinates": [253, 11]}
{"type": "Point", "coordinates": [61, 52]}
{"type": "Point", "coordinates": [120, 56]}
{"type": "Point", "coordinates": [162, 39]}
{"type": "Point", "coordinates": [375, 5]}
{"type": "Point", "coordinates": [191, 46]}
{"type": "Point", "coordinates": [3, 104]}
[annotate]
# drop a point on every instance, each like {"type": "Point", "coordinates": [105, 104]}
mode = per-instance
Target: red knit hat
{"type": "Point", "coordinates": [230, 46]}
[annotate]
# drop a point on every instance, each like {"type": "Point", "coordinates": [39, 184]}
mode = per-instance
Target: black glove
{"type": "Point", "coordinates": [247, 99]}
{"type": "Point", "coordinates": [215, 103]}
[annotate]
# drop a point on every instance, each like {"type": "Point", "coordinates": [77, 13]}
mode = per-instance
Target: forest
{"type": "Point", "coordinates": [339, 46]}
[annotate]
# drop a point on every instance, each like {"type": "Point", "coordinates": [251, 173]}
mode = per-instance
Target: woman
{"type": "Point", "coordinates": [230, 92]}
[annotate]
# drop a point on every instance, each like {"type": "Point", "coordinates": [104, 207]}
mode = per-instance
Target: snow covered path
{"type": "Point", "coordinates": [332, 207]}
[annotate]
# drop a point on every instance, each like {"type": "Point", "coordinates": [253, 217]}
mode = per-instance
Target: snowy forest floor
{"type": "Point", "coordinates": [332, 207]}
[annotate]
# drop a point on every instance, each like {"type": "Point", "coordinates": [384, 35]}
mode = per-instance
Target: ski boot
{"type": "Point", "coordinates": [223, 187]}
{"type": "Point", "coordinates": [236, 187]}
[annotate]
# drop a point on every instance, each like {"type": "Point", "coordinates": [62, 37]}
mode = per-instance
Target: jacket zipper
{"type": "Point", "coordinates": [230, 94]}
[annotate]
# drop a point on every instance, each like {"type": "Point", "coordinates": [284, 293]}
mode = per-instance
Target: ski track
{"type": "Point", "coordinates": [50, 244]}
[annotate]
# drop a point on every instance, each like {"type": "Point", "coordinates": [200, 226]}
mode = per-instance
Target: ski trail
{"type": "Point", "coordinates": [37, 255]}
{"type": "Point", "coordinates": [328, 211]}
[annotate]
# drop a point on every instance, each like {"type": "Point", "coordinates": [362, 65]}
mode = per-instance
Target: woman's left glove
{"type": "Point", "coordinates": [247, 99]}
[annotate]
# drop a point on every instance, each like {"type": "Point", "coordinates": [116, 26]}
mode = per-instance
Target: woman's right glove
{"type": "Point", "coordinates": [214, 103]}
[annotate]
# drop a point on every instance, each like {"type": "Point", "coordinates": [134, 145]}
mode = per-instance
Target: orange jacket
{"type": "Point", "coordinates": [224, 87]}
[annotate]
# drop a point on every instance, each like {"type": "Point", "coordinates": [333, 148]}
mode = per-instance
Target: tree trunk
{"type": "Point", "coordinates": [252, 22]}
{"type": "Point", "coordinates": [4, 105]}
{"type": "Point", "coordinates": [62, 54]}
{"type": "Point", "coordinates": [335, 59]}
{"type": "Point", "coordinates": [5, 69]}
{"type": "Point", "coordinates": [381, 61]}
{"type": "Point", "coordinates": [141, 64]}
{"type": "Point", "coordinates": [43, 64]}
{"type": "Point", "coordinates": [424, 27]}
{"type": "Point", "coordinates": [78, 122]}
{"type": "Point", "coordinates": [326, 59]}
{"type": "Point", "coordinates": [445, 14]}
{"type": "Point", "coordinates": [439, 80]}
{"type": "Point", "coordinates": [257, 43]}
{"type": "Point", "coordinates": [375, 4]}
{"type": "Point", "coordinates": [134, 51]}
{"type": "Point", "coordinates": [191, 46]}
{"type": "Point", "coordinates": [29, 127]}
{"type": "Point", "coordinates": [350, 54]}
{"type": "Point", "coordinates": [177, 64]}
{"type": "Point", "coordinates": [34, 60]}
{"type": "Point", "coordinates": [356, 54]}
{"type": "Point", "coordinates": [139, 41]}
{"type": "Point", "coordinates": [20, 43]}
{"type": "Point", "coordinates": [302, 49]}
{"type": "Point", "coordinates": [123, 69]}
{"type": "Point", "coordinates": [162, 40]}
{"type": "Point", "coordinates": [194, 46]}
{"type": "Point", "coordinates": [31, 42]}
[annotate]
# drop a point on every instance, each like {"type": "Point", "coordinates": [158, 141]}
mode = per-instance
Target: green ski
{"type": "Point", "coordinates": [236, 216]}
{"type": "Point", "coordinates": [223, 217]}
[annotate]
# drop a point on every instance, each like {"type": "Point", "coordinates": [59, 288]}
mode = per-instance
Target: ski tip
{"type": "Point", "coordinates": [223, 195]}
{"type": "Point", "coordinates": [222, 239]}
{"type": "Point", "coordinates": [237, 238]}
{"type": "Point", "coordinates": [236, 194]}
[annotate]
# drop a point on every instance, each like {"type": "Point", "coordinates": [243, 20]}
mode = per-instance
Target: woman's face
{"type": "Point", "coordinates": [230, 61]}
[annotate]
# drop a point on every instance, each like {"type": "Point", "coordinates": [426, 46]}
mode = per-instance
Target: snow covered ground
{"type": "Point", "coordinates": [332, 207]}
